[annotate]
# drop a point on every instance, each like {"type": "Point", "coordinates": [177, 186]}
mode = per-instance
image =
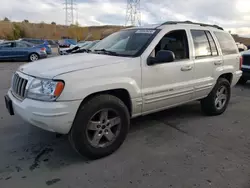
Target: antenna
{"type": "Point", "coordinates": [133, 13]}
{"type": "Point", "coordinates": [69, 11]}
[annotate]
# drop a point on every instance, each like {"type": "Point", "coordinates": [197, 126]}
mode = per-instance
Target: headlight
{"type": "Point", "coordinates": [45, 90]}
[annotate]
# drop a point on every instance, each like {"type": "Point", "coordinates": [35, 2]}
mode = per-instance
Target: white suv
{"type": "Point", "coordinates": [133, 72]}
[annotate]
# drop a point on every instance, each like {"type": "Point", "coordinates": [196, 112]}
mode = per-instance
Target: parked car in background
{"type": "Point", "coordinates": [245, 67]}
{"type": "Point", "coordinates": [86, 47]}
{"type": "Point", "coordinates": [66, 43]}
{"type": "Point", "coordinates": [40, 42]}
{"type": "Point", "coordinates": [64, 51]}
{"type": "Point", "coordinates": [242, 47]}
{"type": "Point", "coordinates": [21, 50]}
{"type": "Point", "coordinates": [53, 43]}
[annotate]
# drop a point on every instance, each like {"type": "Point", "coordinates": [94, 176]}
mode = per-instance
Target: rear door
{"type": "Point", "coordinates": [21, 49]}
{"type": "Point", "coordinates": [208, 62]}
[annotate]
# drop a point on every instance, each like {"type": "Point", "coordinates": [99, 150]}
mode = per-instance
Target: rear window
{"type": "Point", "coordinates": [227, 43]}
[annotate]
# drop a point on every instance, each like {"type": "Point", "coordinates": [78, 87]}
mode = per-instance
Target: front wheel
{"type": "Point", "coordinates": [100, 127]}
{"type": "Point", "coordinates": [217, 101]}
{"type": "Point", "coordinates": [33, 57]}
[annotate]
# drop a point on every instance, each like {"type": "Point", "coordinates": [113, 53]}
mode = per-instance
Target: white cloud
{"type": "Point", "coordinates": [233, 14]}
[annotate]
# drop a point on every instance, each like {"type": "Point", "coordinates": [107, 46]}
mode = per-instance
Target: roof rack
{"type": "Point", "coordinates": [189, 22]}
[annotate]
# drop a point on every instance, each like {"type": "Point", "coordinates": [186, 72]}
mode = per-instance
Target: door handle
{"type": "Point", "coordinates": [186, 68]}
{"type": "Point", "coordinates": [217, 62]}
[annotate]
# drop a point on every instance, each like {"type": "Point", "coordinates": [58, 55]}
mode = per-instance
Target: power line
{"type": "Point", "coordinates": [133, 13]}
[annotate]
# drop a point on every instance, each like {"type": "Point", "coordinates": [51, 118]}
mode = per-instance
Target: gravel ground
{"type": "Point", "coordinates": [175, 148]}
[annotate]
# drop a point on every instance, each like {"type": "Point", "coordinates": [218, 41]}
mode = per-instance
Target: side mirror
{"type": "Point", "coordinates": [163, 56]}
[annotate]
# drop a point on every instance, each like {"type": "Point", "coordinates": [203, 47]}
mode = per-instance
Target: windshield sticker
{"type": "Point", "coordinates": [145, 31]}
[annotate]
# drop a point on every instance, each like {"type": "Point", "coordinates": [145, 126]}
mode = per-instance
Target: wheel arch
{"type": "Point", "coordinates": [120, 93]}
{"type": "Point", "coordinates": [228, 76]}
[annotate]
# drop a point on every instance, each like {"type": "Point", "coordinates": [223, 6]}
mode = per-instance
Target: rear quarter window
{"type": "Point", "coordinates": [227, 43]}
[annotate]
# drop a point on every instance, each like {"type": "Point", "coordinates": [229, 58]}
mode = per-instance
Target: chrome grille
{"type": "Point", "coordinates": [19, 85]}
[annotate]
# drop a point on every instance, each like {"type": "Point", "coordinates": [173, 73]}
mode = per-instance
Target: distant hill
{"type": "Point", "coordinates": [15, 30]}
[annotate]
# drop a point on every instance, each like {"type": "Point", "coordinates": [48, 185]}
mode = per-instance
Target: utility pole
{"type": "Point", "coordinates": [133, 13]}
{"type": "Point", "coordinates": [69, 11]}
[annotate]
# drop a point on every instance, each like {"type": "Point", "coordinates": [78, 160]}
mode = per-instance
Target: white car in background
{"type": "Point", "coordinates": [62, 51]}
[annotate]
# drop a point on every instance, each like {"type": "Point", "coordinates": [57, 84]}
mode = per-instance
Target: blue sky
{"type": "Point", "coordinates": [233, 15]}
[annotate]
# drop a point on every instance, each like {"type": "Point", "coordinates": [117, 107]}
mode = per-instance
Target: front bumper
{"type": "Point", "coordinates": [51, 116]}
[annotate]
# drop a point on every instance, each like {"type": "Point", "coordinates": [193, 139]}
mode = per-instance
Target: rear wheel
{"type": "Point", "coordinates": [100, 127]}
{"type": "Point", "coordinates": [217, 101]}
{"type": "Point", "coordinates": [33, 57]}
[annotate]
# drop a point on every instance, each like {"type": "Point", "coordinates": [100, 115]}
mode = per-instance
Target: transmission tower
{"type": "Point", "coordinates": [133, 13]}
{"type": "Point", "coordinates": [69, 11]}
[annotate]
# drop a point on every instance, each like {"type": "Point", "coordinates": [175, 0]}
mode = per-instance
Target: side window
{"type": "Point", "coordinates": [175, 41]}
{"type": "Point", "coordinates": [21, 45]}
{"type": "Point", "coordinates": [201, 44]}
{"type": "Point", "coordinates": [212, 44]}
{"type": "Point", "coordinates": [6, 45]}
{"type": "Point", "coordinates": [227, 43]}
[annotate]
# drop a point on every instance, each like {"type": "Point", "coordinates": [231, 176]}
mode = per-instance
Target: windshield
{"type": "Point", "coordinates": [90, 45]}
{"type": "Point", "coordinates": [126, 42]}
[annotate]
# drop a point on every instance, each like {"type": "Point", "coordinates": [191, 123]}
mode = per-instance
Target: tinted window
{"type": "Point", "coordinates": [6, 45]}
{"type": "Point", "coordinates": [201, 44]}
{"type": "Point", "coordinates": [21, 45]}
{"type": "Point", "coordinates": [227, 44]}
{"type": "Point", "coordinates": [175, 41]}
{"type": "Point", "coordinates": [212, 43]}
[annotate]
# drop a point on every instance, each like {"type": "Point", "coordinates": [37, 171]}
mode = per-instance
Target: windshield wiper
{"type": "Point", "coordinates": [106, 51]}
{"type": "Point", "coordinates": [81, 51]}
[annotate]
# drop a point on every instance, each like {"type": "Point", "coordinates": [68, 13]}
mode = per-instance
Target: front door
{"type": "Point", "coordinates": [21, 49]}
{"type": "Point", "coordinates": [168, 84]}
{"type": "Point", "coordinates": [5, 50]}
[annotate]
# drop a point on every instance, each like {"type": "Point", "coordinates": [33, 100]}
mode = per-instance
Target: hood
{"type": "Point", "coordinates": [51, 67]}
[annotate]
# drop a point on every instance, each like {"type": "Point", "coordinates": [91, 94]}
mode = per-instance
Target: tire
{"type": "Point", "coordinates": [33, 57]}
{"type": "Point", "coordinates": [82, 134]}
{"type": "Point", "coordinates": [210, 105]}
{"type": "Point", "coordinates": [242, 81]}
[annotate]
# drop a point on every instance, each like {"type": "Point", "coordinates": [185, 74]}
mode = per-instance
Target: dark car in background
{"type": "Point", "coordinates": [41, 42]}
{"type": "Point", "coordinates": [245, 67]}
{"type": "Point", "coordinates": [21, 50]}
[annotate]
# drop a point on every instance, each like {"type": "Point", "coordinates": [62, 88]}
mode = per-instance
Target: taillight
{"type": "Point", "coordinates": [241, 62]}
{"type": "Point", "coordinates": [43, 49]}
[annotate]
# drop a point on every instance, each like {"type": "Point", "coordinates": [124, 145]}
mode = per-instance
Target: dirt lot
{"type": "Point", "coordinates": [172, 149]}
